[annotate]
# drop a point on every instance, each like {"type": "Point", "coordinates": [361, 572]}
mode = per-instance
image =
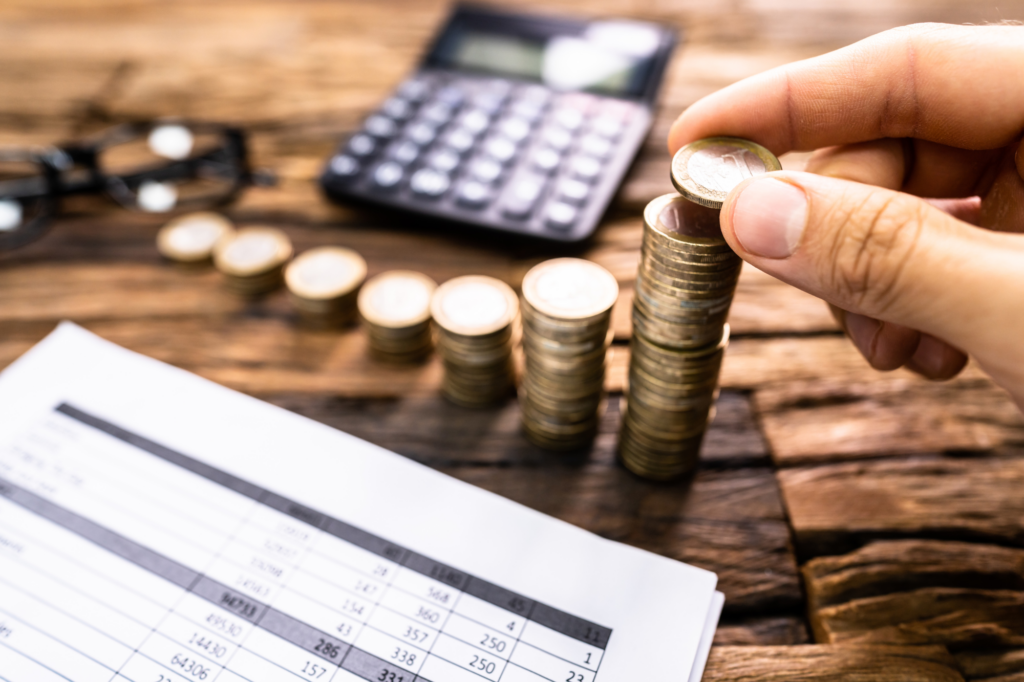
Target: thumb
{"type": "Point", "coordinates": [887, 255]}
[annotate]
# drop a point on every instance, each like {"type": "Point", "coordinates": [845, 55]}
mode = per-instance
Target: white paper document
{"type": "Point", "coordinates": [156, 527]}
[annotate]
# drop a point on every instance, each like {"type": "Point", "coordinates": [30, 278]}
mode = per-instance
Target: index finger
{"type": "Point", "coordinates": [955, 85]}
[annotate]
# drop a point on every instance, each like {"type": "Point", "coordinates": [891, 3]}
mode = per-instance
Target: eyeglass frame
{"type": "Point", "coordinates": [57, 164]}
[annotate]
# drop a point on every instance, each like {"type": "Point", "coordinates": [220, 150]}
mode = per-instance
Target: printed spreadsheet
{"type": "Point", "coordinates": [127, 557]}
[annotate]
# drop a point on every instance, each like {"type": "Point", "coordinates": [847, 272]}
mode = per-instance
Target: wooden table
{"type": "Point", "coordinates": [858, 522]}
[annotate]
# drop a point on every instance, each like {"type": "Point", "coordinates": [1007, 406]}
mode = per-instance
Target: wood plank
{"type": "Point", "coordinates": [993, 666]}
{"type": "Point", "coordinates": [834, 508]}
{"type": "Point", "coordinates": [825, 663]}
{"type": "Point", "coordinates": [764, 631]}
{"type": "Point", "coordinates": [961, 595]}
{"type": "Point", "coordinates": [829, 420]}
{"type": "Point", "coordinates": [888, 566]}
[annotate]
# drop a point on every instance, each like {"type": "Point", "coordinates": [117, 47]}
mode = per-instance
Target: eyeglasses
{"type": "Point", "coordinates": [155, 167]}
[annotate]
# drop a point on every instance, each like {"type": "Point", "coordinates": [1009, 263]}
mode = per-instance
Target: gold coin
{"type": "Point", "coordinates": [570, 288]}
{"type": "Point", "coordinates": [191, 238]}
{"type": "Point", "coordinates": [325, 273]}
{"type": "Point", "coordinates": [397, 299]}
{"type": "Point", "coordinates": [252, 251]}
{"type": "Point", "coordinates": [705, 171]}
{"type": "Point", "coordinates": [474, 305]}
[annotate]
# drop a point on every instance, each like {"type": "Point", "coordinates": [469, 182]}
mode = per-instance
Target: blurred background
{"type": "Point", "coordinates": [301, 73]}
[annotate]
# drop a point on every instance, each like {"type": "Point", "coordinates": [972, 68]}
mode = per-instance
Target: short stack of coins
{"type": "Point", "coordinates": [252, 259]}
{"type": "Point", "coordinates": [395, 307]}
{"type": "Point", "coordinates": [566, 309]}
{"type": "Point", "coordinates": [190, 239]}
{"type": "Point", "coordinates": [684, 289]}
{"type": "Point", "coordinates": [324, 283]}
{"type": "Point", "coordinates": [476, 319]}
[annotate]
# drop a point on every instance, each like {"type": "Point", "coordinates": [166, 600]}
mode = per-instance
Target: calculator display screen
{"type": "Point", "coordinates": [612, 58]}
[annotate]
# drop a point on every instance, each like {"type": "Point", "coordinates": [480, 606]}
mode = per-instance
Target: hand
{"type": "Point", "coordinates": [923, 111]}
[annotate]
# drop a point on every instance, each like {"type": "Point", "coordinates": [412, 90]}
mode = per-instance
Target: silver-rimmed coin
{"type": "Point", "coordinates": [705, 171]}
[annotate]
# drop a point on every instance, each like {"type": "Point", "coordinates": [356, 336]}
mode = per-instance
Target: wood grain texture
{"type": "Point", "coordinates": [826, 663]}
{"type": "Point", "coordinates": [831, 420]}
{"type": "Point", "coordinates": [968, 597]}
{"type": "Point", "coordinates": [770, 631]}
{"type": "Point", "coordinates": [835, 507]}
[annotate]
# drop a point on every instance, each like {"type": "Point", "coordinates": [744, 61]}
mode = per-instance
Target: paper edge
{"type": "Point", "coordinates": [707, 637]}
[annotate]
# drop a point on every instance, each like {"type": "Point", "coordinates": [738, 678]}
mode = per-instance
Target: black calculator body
{"type": "Point", "coordinates": [511, 122]}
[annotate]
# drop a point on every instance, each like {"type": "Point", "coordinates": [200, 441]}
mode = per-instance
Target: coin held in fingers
{"type": "Point", "coordinates": [705, 171]}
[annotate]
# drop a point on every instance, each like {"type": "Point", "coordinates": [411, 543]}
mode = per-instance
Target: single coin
{"type": "Point", "coordinates": [325, 272]}
{"type": "Point", "coordinates": [252, 251]}
{"type": "Point", "coordinates": [474, 305]}
{"type": "Point", "coordinates": [570, 288]}
{"type": "Point", "coordinates": [706, 170]}
{"type": "Point", "coordinates": [191, 238]}
{"type": "Point", "coordinates": [397, 299]}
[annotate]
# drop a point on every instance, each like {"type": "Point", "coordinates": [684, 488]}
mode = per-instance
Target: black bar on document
{"type": "Point", "coordinates": [170, 570]}
{"type": "Point", "coordinates": [184, 461]}
{"type": "Point", "coordinates": [305, 637]}
{"type": "Point", "coordinates": [369, 667]}
{"type": "Point", "coordinates": [231, 601]}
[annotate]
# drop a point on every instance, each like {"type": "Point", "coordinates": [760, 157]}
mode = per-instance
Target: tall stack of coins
{"type": "Point", "coordinates": [567, 305]}
{"type": "Point", "coordinates": [191, 238]}
{"type": "Point", "coordinates": [475, 318]}
{"type": "Point", "coordinates": [684, 289]}
{"type": "Point", "coordinates": [253, 259]}
{"type": "Point", "coordinates": [395, 307]}
{"type": "Point", "coordinates": [323, 284]}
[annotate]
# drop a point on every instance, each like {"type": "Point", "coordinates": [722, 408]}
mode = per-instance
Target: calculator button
{"type": "Point", "coordinates": [489, 102]}
{"type": "Point", "coordinates": [546, 160]}
{"type": "Point", "coordinates": [606, 126]}
{"type": "Point", "coordinates": [597, 147]}
{"type": "Point", "coordinates": [461, 140]}
{"type": "Point", "coordinates": [380, 126]}
{"type": "Point", "coordinates": [429, 183]}
{"type": "Point", "coordinates": [537, 94]}
{"type": "Point", "coordinates": [573, 192]}
{"type": "Point", "coordinates": [474, 194]}
{"type": "Point", "coordinates": [585, 168]}
{"type": "Point", "coordinates": [570, 119]}
{"type": "Point", "coordinates": [444, 160]}
{"type": "Point", "coordinates": [618, 110]}
{"type": "Point", "coordinates": [397, 108]}
{"type": "Point", "coordinates": [421, 133]}
{"type": "Point", "coordinates": [521, 198]}
{"type": "Point", "coordinates": [560, 216]}
{"type": "Point", "coordinates": [438, 113]}
{"type": "Point", "coordinates": [344, 166]}
{"type": "Point", "coordinates": [515, 129]}
{"type": "Point", "coordinates": [557, 139]}
{"type": "Point", "coordinates": [388, 175]}
{"type": "Point", "coordinates": [361, 145]}
{"type": "Point", "coordinates": [404, 152]}
{"type": "Point", "coordinates": [451, 95]}
{"type": "Point", "coordinates": [500, 149]}
{"type": "Point", "coordinates": [580, 101]}
{"type": "Point", "coordinates": [485, 170]}
{"type": "Point", "coordinates": [415, 90]}
{"type": "Point", "coordinates": [475, 121]}
{"type": "Point", "coordinates": [528, 110]}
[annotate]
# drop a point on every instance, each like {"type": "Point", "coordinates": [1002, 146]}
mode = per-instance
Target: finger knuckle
{"type": "Point", "coordinates": [876, 238]}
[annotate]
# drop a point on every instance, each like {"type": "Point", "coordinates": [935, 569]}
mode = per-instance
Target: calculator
{"type": "Point", "coordinates": [519, 123]}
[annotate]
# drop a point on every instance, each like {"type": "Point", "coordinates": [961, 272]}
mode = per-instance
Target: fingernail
{"type": "Point", "coordinates": [769, 217]}
{"type": "Point", "coordinates": [862, 331]}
